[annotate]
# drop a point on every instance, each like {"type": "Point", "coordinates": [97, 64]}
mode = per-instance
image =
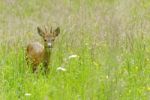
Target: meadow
{"type": "Point", "coordinates": [103, 47]}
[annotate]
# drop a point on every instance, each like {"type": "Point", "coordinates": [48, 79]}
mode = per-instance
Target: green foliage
{"type": "Point", "coordinates": [103, 48]}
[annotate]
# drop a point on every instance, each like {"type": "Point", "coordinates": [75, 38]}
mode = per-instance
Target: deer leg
{"type": "Point", "coordinates": [27, 60]}
{"type": "Point", "coordinates": [34, 68]}
{"type": "Point", "coordinates": [46, 69]}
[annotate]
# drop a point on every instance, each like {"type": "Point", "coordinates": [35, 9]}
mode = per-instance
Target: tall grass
{"type": "Point", "coordinates": [109, 37]}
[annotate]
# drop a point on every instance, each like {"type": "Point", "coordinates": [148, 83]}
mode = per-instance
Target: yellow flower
{"type": "Point", "coordinates": [107, 77]}
{"type": "Point", "coordinates": [148, 88]}
{"type": "Point", "coordinates": [96, 64]}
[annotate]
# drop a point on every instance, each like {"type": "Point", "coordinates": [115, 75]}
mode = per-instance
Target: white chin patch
{"type": "Point", "coordinates": [49, 44]}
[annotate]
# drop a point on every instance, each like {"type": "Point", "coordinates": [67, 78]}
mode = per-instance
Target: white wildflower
{"type": "Point", "coordinates": [61, 69]}
{"type": "Point", "coordinates": [27, 94]}
{"type": "Point", "coordinates": [72, 56]}
{"type": "Point", "coordinates": [107, 77]}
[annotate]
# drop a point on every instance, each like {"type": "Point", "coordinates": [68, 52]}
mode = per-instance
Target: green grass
{"type": "Point", "coordinates": [110, 37]}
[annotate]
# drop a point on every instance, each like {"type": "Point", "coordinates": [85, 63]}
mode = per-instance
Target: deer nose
{"type": "Point", "coordinates": [49, 45]}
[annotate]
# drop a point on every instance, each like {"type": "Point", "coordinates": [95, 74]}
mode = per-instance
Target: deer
{"type": "Point", "coordinates": [36, 53]}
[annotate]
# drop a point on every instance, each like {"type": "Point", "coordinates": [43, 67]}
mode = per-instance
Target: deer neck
{"type": "Point", "coordinates": [47, 54]}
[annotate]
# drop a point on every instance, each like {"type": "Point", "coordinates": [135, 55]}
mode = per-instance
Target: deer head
{"type": "Point", "coordinates": [48, 36]}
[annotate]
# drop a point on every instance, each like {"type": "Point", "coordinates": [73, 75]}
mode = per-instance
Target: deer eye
{"type": "Point", "coordinates": [53, 39]}
{"type": "Point", "coordinates": [45, 40]}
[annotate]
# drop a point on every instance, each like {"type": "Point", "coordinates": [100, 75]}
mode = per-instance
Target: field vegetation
{"type": "Point", "coordinates": [102, 52]}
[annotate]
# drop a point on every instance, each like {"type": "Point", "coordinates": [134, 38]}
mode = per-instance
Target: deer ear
{"type": "Point", "coordinates": [40, 32]}
{"type": "Point", "coordinates": [57, 31]}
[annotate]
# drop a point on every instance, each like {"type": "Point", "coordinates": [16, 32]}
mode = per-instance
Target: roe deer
{"type": "Point", "coordinates": [37, 53]}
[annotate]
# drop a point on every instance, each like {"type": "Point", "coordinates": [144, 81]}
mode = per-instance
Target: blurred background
{"type": "Point", "coordinates": [110, 37]}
